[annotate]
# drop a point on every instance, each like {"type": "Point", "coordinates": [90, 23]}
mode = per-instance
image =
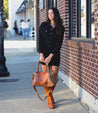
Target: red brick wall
{"type": "Point", "coordinates": [79, 59]}
{"type": "Point", "coordinates": [96, 25]}
{"type": "Point", "coordinates": [63, 8]}
{"type": "Point", "coordinates": [43, 12]}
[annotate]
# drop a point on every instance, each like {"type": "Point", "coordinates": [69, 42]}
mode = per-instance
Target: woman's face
{"type": "Point", "coordinates": [50, 14]}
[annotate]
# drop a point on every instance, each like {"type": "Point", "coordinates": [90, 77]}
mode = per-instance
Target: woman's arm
{"type": "Point", "coordinates": [58, 44]}
{"type": "Point", "coordinates": [48, 59]}
{"type": "Point", "coordinates": [41, 44]}
{"type": "Point", "coordinates": [40, 40]}
{"type": "Point", "coordinates": [41, 57]}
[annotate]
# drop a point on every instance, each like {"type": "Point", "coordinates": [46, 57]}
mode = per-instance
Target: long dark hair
{"type": "Point", "coordinates": [57, 21]}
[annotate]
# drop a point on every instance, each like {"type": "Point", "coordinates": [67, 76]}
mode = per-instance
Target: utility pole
{"type": "Point", "coordinates": [3, 70]}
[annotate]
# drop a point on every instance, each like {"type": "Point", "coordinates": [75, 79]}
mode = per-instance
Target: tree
{"type": "Point", "coordinates": [5, 4]}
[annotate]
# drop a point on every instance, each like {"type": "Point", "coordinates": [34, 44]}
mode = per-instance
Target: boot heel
{"type": "Point", "coordinates": [50, 103]}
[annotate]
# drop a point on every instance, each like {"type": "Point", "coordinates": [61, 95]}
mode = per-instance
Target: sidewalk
{"type": "Point", "coordinates": [16, 37]}
{"type": "Point", "coordinates": [16, 92]}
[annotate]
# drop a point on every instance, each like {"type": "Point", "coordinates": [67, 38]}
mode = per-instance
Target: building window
{"type": "Point", "coordinates": [55, 3]}
{"type": "Point", "coordinates": [41, 4]}
{"type": "Point", "coordinates": [84, 18]}
{"type": "Point", "coordinates": [52, 3]}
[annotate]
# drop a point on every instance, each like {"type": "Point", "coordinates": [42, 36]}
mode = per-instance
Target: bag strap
{"type": "Point", "coordinates": [39, 95]}
{"type": "Point", "coordinates": [37, 69]}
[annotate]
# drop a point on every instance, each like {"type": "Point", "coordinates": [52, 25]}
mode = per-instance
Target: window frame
{"type": "Point", "coordinates": [88, 12]}
{"type": "Point", "coordinates": [88, 19]}
{"type": "Point", "coordinates": [41, 5]}
{"type": "Point", "coordinates": [70, 19]}
{"type": "Point", "coordinates": [51, 3]}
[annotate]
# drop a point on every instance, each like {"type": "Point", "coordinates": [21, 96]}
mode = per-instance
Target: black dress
{"type": "Point", "coordinates": [50, 42]}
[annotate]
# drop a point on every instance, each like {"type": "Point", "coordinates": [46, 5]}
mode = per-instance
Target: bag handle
{"type": "Point", "coordinates": [37, 70]}
{"type": "Point", "coordinates": [39, 95]}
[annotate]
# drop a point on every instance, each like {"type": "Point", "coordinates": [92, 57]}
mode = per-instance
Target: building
{"type": "Point", "coordinates": [79, 52]}
{"type": "Point", "coordinates": [20, 9]}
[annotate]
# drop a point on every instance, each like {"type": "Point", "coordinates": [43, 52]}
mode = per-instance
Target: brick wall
{"type": "Point", "coordinates": [43, 12]}
{"type": "Point", "coordinates": [96, 25]}
{"type": "Point", "coordinates": [63, 8]}
{"type": "Point", "coordinates": [79, 58]}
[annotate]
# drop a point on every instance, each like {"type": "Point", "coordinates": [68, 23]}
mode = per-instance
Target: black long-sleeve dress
{"type": "Point", "coordinates": [50, 42]}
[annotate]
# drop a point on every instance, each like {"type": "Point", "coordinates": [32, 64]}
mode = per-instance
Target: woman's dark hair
{"type": "Point", "coordinates": [57, 21]}
{"type": "Point", "coordinates": [21, 20]}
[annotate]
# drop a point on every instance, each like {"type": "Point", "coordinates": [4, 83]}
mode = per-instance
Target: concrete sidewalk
{"type": "Point", "coordinates": [16, 92]}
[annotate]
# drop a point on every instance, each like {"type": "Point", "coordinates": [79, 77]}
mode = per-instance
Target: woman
{"type": "Point", "coordinates": [15, 27]}
{"type": "Point", "coordinates": [5, 27]}
{"type": "Point", "coordinates": [29, 26]}
{"type": "Point", "coordinates": [51, 35]}
{"type": "Point", "coordinates": [24, 27]}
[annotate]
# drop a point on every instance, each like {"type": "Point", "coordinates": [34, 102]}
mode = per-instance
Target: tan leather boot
{"type": "Point", "coordinates": [55, 69]}
{"type": "Point", "coordinates": [51, 89]}
{"type": "Point", "coordinates": [49, 98]}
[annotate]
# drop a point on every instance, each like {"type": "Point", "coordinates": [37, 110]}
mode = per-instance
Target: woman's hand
{"type": "Point", "coordinates": [48, 59]}
{"type": "Point", "coordinates": [41, 57]}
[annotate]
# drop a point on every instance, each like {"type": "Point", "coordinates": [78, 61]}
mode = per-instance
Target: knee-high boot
{"type": "Point", "coordinates": [49, 97]}
{"type": "Point", "coordinates": [55, 69]}
{"type": "Point", "coordinates": [51, 89]}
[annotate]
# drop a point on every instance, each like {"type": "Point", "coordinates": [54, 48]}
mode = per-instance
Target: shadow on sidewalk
{"type": "Point", "coordinates": [63, 102]}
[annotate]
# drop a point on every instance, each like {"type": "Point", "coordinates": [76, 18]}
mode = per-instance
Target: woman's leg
{"type": "Point", "coordinates": [17, 31]}
{"type": "Point", "coordinates": [44, 68]}
{"type": "Point", "coordinates": [55, 69]}
{"type": "Point", "coordinates": [5, 32]}
{"type": "Point", "coordinates": [47, 89]}
{"type": "Point", "coordinates": [23, 33]}
{"type": "Point", "coordinates": [28, 32]}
